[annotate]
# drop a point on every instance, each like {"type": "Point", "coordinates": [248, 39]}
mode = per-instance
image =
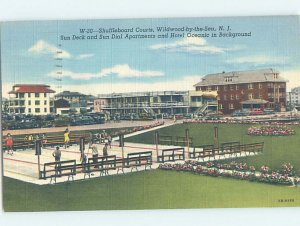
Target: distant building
{"type": "Point", "coordinates": [62, 106]}
{"type": "Point", "coordinates": [163, 102]}
{"type": "Point", "coordinates": [246, 89]}
{"type": "Point", "coordinates": [78, 102]}
{"type": "Point", "coordinates": [31, 99]}
{"type": "Point", "coordinates": [5, 104]}
{"type": "Point", "coordinates": [294, 97]}
{"type": "Point", "coordinates": [70, 96]}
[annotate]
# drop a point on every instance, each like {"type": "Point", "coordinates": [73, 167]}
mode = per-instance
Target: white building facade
{"type": "Point", "coordinates": [31, 99]}
{"type": "Point", "coordinates": [294, 97]}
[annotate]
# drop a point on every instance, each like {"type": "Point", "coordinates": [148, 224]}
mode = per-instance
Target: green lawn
{"type": "Point", "coordinates": [277, 150]}
{"type": "Point", "coordinates": [155, 189]}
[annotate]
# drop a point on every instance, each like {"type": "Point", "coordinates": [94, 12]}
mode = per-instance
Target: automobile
{"type": "Point", "coordinates": [257, 112]}
{"type": "Point", "coordinates": [239, 113]}
{"type": "Point", "coordinates": [269, 111]}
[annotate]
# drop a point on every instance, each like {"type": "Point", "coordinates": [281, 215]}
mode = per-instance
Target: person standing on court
{"type": "Point", "coordinates": [67, 138]}
{"type": "Point", "coordinates": [105, 149]}
{"type": "Point", "coordinates": [57, 154]}
{"type": "Point", "coordinates": [9, 144]}
{"type": "Point", "coordinates": [109, 140]}
{"type": "Point", "coordinates": [94, 154]}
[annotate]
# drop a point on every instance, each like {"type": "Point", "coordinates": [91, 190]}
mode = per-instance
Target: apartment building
{"type": "Point", "coordinates": [32, 99]}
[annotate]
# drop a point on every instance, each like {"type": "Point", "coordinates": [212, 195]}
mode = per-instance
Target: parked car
{"type": "Point", "coordinates": [257, 112]}
{"type": "Point", "coordinates": [240, 113]}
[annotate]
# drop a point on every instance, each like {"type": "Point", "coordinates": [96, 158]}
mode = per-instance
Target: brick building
{"type": "Point", "coordinates": [255, 89]}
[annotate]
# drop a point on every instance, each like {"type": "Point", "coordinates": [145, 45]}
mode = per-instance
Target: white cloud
{"type": "Point", "coordinates": [84, 56]}
{"type": "Point", "coordinates": [124, 71]}
{"type": "Point", "coordinates": [190, 44]}
{"type": "Point", "coordinates": [121, 70]}
{"type": "Point", "coordinates": [43, 47]}
{"type": "Point", "coordinates": [186, 83]}
{"type": "Point", "coordinates": [258, 60]}
{"type": "Point", "coordinates": [293, 77]}
{"type": "Point", "coordinates": [183, 84]}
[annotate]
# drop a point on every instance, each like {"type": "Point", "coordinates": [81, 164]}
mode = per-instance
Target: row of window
{"type": "Point", "coordinates": [36, 110]}
{"type": "Point", "coordinates": [236, 87]}
{"type": "Point", "coordinates": [22, 95]}
{"type": "Point", "coordinates": [37, 102]}
{"type": "Point", "coordinates": [237, 97]}
{"type": "Point", "coordinates": [230, 106]}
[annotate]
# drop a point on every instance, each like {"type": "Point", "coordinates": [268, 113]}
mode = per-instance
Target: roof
{"type": "Point", "coordinates": [69, 94]}
{"type": "Point", "coordinates": [61, 103]}
{"type": "Point", "coordinates": [254, 101]}
{"type": "Point", "coordinates": [31, 88]}
{"type": "Point", "coordinates": [238, 77]}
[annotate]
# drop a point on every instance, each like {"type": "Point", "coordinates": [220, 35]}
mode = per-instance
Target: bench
{"type": "Point", "coordinates": [202, 151]}
{"type": "Point", "coordinates": [100, 164]}
{"type": "Point", "coordinates": [171, 155]}
{"type": "Point", "coordinates": [181, 141]}
{"type": "Point", "coordinates": [229, 148]}
{"type": "Point", "coordinates": [134, 160]}
{"type": "Point", "coordinates": [54, 170]}
{"type": "Point", "coordinates": [252, 148]}
{"type": "Point", "coordinates": [165, 140]}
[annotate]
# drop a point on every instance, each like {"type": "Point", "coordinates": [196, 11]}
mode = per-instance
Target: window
{"type": "Point", "coordinates": [217, 88]}
{"type": "Point", "coordinates": [37, 110]}
{"type": "Point", "coordinates": [228, 79]}
{"type": "Point", "coordinates": [21, 95]}
{"type": "Point", "coordinates": [231, 87]}
{"type": "Point", "coordinates": [259, 85]}
{"type": "Point", "coordinates": [225, 88]}
{"type": "Point", "coordinates": [45, 94]}
{"type": "Point", "coordinates": [45, 109]}
{"type": "Point", "coordinates": [270, 85]}
{"type": "Point", "coordinates": [236, 87]}
{"type": "Point", "coordinates": [37, 102]}
{"type": "Point", "coordinates": [250, 86]}
{"type": "Point", "coordinates": [45, 102]}
{"type": "Point", "coordinates": [29, 102]}
{"type": "Point", "coordinates": [29, 110]}
{"type": "Point", "coordinates": [231, 97]}
{"type": "Point", "coordinates": [260, 96]}
{"type": "Point", "coordinates": [225, 97]}
{"type": "Point", "coordinates": [37, 95]}
{"type": "Point", "coordinates": [220, 106]}
{"type": "Point", "coordinates": [230, 106]}
{"type": "Point", "coordinates": [237, 97]}
{"type": "Point", "coordinates": [250, 96]}
{"type": "Point", "coordinates": [208, 88]}
{"type": "Point", "coordinates": [29, 94]}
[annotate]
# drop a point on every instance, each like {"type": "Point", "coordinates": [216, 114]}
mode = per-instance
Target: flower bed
{"type": "Point", "coordinates": [235, 170]}
{"type": "Point", "coordinates": [270, 131]}
{"type": "Point", "coordinates": [234, 121]}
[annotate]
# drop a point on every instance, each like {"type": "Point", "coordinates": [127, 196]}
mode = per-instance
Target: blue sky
{"type": "Point", "coordinates": [101, 66]}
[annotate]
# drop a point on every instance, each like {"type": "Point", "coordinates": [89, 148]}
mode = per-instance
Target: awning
{"type": "Point", "coordinates": [254, 101]}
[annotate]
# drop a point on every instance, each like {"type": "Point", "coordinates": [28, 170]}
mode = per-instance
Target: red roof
{"type": "Point", "coordinates": [31, 89]}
